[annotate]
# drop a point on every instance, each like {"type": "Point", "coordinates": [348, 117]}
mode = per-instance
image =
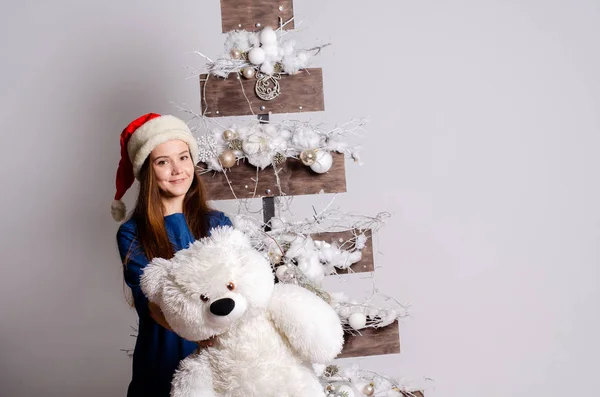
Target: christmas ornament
{"type": "Point", "coordinates": [256, 56]}
{"type": "Point", "coordinates": [248, 72]}
{"type": "Point", "coordinates": [228, 135]}
{"type": "Point", "coordinates": [357, 320]}
{"type": "Point", "coordinates": [308, 157]}
{"type": "Point", "coordinates": [207, 148]}
{"type": "Point", "coordinates": [284, 273]}
{"type": "Point", "coordinates": [268, 36]}
{"type": "Point", "coordinates": [279, 158]}
{"type": "Point", "coordinates": [331, 370]}
{"type": "Point", "coordinates": [227, 159]}
{"type": "Point", "coordinates": [267, 87]}
{"type": "Point", "coordinates": [368, 390]}
{"type": "Point", "coordinates": [275, 258]}
{"type": "Point", "coordinates": [235, 144]}
{"type": "Point", "coordinates": [235, 53]}
{"type": "Point", "coordinates": [322, 163]}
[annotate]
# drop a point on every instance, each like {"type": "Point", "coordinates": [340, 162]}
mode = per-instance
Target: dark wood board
{"type": "Point", "coordinates": [246, 14]}
{"type": "Point", "coordinates": [413, 394]}
{"type": "Point", "coordinates": [372, 342]}
{"type": "Point", "coordinates": [366, 262]}
{"type": "Point", "coordinates": [301, 92]}
{"type": "Point", "coordinates": [296, 179]}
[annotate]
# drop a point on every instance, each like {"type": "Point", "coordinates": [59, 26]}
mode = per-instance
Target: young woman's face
{"type": "Point", "coordinates": [173, 168]}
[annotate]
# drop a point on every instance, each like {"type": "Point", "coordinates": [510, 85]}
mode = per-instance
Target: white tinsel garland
{"type": "Point", "coordinates": [266, 51]}
{"type": "Point", "coordinates": [352, 381]}
{"type": "Point", "coordinates": [263, 145]}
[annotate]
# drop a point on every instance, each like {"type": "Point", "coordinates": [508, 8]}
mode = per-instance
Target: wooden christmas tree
{"type": "Point", "coordinates": [241, 94]}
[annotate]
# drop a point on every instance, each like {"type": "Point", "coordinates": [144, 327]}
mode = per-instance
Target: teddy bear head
{"type": "Point", "coordinates": [205, 289]}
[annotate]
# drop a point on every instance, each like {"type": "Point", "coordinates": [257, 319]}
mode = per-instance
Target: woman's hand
{"type": "Point", "coordinates": [202, 344]}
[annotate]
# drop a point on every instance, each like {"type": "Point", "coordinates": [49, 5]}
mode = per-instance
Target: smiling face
{"type": "Point", "coordinates": [173, 168]}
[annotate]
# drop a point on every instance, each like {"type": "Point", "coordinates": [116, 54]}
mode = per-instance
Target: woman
{"type": "Point", "coordinates": [171, 212]}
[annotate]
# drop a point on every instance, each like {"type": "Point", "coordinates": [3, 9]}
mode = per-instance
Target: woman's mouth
{"type": "Point", "coordinates": [177, 181]}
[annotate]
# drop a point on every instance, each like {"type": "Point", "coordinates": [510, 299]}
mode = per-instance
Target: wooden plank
{"type": "Point", "coordinates": [302, 92]}
{"type": "Point", "coordinates": [372, 342]}
{"type": "Point", "coordinates": [253, 15]}
{"type": "Point", "coordinates": [295, 179]}
{"type": "Point", "coordinates": [366, 263]}
{"type": "Point", "coordinates": [413, 394]}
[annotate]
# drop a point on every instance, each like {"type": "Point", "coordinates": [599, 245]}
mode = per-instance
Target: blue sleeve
{"type": "Point", "coordinates": [134, 261]}
{"type": "Point", "coordinates": [219, 219]}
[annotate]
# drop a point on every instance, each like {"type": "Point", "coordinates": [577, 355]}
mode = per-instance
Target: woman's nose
{"type": "Point", "coordinates": [177, 169]}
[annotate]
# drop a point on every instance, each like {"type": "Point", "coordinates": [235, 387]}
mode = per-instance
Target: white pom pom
{"type": "Point", "coordinates": [256, 55]}
{"type": "Point", "coordinates": [271, 52]}
{"type": "Point", "coordinates": [268, 36]}
{"type": "Point", "coordinates": [306, 138]}
{"type": "Point", "coordinates": [118, 210]}
{"type": "Point", "coordinates": [267, 67]}
{"type": "Point", "coordinates": [357, 320]}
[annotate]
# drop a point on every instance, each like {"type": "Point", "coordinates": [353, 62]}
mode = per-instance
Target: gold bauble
{"type": "Point", "coordinates": [275, 258]}
{"type": "Point", "coordinates": [235, 53]}
{"type": "Point", "coordinates": [248, 72]}
{"type": "Point", "coordinates": [228, 135]}
{"type": "Point", "coordinates": [308, 157]}
{"type": "Point", "coordinates": [227, 159]}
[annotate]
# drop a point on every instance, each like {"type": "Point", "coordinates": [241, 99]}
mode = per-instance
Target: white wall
{"type": "Point", "coordinates": [482, 144]}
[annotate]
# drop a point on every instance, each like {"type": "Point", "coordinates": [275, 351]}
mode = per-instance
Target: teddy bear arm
{"type": "Point", "coordinates": [193, 378]}
{"type": "Point", "coordinates": [309, 323]}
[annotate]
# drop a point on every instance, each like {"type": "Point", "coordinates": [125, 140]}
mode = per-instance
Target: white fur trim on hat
{"type": "Point", "coordinates": [153, 133]}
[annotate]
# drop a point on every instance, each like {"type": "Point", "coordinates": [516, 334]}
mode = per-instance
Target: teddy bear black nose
{"type": "Point", "coordinates": [222, 307]}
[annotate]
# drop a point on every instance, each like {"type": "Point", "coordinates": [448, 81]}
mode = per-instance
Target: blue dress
{"type": "Point", "coordinates": [157, 351]}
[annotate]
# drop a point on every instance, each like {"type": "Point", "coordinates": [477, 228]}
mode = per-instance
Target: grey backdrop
{"type": "Point", "coordinates": [483, 144]}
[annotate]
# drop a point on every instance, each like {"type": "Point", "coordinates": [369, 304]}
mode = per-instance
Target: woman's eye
{"type": "Point", "coordinates": [183, 158]}
{"type": "Point", "coordinates": [162, 162]}
{"type": "Point", "coordinates": [204, 298]}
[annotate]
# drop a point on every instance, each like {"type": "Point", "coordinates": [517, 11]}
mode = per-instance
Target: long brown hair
{"type": "Point", "coordinates": [149, 214]}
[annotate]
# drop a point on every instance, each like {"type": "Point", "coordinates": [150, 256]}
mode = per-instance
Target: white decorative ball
{"type": "Point", "coordinates": [281, 272]}
{"type": "Point", "coordinates": [268, 36]}
{"type": "Point", "coordinates": [323, 162]}
{"type": "Point", "coordinates": [256, 55]}
{"type": "Point", "coordinates": [357, 320]}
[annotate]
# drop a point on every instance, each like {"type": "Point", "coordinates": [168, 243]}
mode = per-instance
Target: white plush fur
{"type": "Point", "coordinates": [118, 210]}
{"type": "Point", "coordinates": [154, 132]}
{"type": "Point", "coordinates": [266, 345]}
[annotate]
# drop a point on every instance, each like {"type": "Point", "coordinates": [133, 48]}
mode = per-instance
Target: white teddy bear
{"type": "Point", "coordinates": [267, 335]}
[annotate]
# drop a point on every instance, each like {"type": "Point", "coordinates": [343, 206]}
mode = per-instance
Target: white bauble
{"type": "Point", "coordinates": [323, 162]}
{"type": "Point", "coordinates": [357, 320]}
{"type": "Point", "coordinates": [256, 56]}
{"type": "Point", "coordinates": [268, 36]}
{"type": "Point", "coordinates": [284, 273]}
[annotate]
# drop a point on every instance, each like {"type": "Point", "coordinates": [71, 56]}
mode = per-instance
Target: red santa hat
{"type": "Point", "coordinates": [138, 140]}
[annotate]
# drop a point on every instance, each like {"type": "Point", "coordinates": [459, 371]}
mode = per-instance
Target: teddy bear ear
{"type": "Point", "coordinates": [153, 278]}
{"type": "Point", "coordinates": [231, 236]}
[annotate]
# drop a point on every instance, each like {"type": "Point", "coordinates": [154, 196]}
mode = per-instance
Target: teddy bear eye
{"type": "Point", "coordinates": [231, 286]}
{"type": "Point", "coordinates": [204, 298]}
